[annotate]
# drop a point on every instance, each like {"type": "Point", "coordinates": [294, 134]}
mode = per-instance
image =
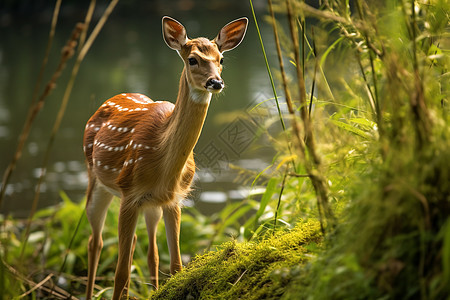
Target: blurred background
{"type": "Point", "coordinates": [129, 55]}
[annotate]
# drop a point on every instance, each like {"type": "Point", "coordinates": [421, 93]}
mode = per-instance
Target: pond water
{"type": "Point", "coordinates": [128, 56]}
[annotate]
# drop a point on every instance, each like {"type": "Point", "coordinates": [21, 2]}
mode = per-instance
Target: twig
{"type": "Point", "coordinates": [240, 277]}
{"type": "Point", "coordinates": [59, 293]}
{"type": "Point", "coordinates": [37, 286]}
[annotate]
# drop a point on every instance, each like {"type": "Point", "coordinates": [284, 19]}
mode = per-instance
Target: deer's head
{"type": "Point", "coordinates": [202, 57]}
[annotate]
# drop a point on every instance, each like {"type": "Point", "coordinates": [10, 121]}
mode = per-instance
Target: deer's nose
{"type": "Point", "coordinates": [214, 84]}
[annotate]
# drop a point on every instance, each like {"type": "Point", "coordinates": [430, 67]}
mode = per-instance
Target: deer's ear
{"type": "Point", "coordinates": [231, 35]}
{"type": "Point", "coordinates": [174, 33]}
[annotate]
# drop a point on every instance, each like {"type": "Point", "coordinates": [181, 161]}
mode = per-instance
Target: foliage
{"type": "Point", "coordinates": [384, 148]}
{"type": "Point", "coordinates": [58, 246]}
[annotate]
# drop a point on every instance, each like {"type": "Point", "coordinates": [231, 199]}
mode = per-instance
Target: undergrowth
{"type": "Point", "coordinates": [254, 270]}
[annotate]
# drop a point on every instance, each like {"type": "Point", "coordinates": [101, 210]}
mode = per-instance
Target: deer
{"type": "Point", "coordinates": [141, 151]}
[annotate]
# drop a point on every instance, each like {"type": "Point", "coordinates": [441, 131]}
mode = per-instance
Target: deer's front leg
{"type": "Point", "coordinates": [127, 226]}
{"type": "Point", "coordinates": [172, 219]}
{"type": "Point", "coordinates": [152, 217]}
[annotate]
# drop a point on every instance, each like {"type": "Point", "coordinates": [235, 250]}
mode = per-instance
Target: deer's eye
{"type": "Point", "coordinates": [192, 61]}
{"type": "Point", "coordinates": [221, 61]}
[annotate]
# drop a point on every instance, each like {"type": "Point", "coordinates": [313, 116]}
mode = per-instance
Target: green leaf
{"type": "Point", "coordinates": [237, 213]}
{"type": "Point", "coordinates": [350, 128]}
{"type": "Point", "coordinates": [364, 122]}
{"type": "Point", "coordinates": [270, 190]}
{"type": "Point", "coordinates": [325, 54]}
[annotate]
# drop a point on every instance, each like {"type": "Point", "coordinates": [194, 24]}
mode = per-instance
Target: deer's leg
{"type": "Point", "coordinates": [127, 225]}
{"type": "Point", "coordinates": [98, 200]}
{"type": "Point", "coordinates": [152, 217]}
{"type": "Point", "coordinates": [133, 246]}
{"type": "Point", "coordinates": [172, 219]}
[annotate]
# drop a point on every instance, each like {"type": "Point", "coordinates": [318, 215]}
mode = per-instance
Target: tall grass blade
{"type": "Point", "coordinates": [275, 218]}
{"type": "Point", "coordinates": [316, 64]}
{"type": "Point", "coordinates": [269, 73]}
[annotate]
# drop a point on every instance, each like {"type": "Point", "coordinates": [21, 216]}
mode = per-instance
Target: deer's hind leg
{"type": "Point", "coordinates": [98, 201]}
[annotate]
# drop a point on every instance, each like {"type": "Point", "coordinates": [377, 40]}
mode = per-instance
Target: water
{"type": "Point", "coordinates": [128, 56]}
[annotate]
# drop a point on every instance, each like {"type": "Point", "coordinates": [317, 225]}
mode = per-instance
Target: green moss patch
{"type": "Point", "coordinates": [251, 270]}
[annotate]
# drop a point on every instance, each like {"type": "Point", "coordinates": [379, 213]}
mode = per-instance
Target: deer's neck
{"type": "Point", "coordinates": [184, 125]}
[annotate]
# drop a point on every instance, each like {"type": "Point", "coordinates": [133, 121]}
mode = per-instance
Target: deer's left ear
{"type": "Point", "coordinates": [174, 33]}
{"type": "Point", "coordinates": [231, 35]}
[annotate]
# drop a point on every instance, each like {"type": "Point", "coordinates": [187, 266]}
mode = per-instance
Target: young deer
{"type": "Point", "coordinates": [142, 152]}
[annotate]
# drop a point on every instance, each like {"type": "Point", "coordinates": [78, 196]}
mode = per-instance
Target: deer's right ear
{"type": "Point", "coordinates": [174, 33]}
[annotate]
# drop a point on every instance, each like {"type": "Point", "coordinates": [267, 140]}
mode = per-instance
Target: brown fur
{"type": "Point", "coordinates": [142, 151]}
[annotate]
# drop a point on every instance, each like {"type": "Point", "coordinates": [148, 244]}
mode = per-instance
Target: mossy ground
{"type": "Point", "coordinates": [251, 270]}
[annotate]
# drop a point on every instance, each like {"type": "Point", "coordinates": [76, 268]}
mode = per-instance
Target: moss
{"type": "Point", "coordinates": [251, 270]}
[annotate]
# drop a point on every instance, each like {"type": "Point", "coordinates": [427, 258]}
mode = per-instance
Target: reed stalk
{"type": "Point", "coordinates": [284, 80]}
{"type": "Point", "coordinates": [280, 115]}
{"type": "Point", "coordinates": [36, 103]}
{"type": "Point", "coordinates": [82, 53]}
{"type": "Point", "coordinates": [67, 52]}
{"type": "Point", "coordinates": [312, 160]}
